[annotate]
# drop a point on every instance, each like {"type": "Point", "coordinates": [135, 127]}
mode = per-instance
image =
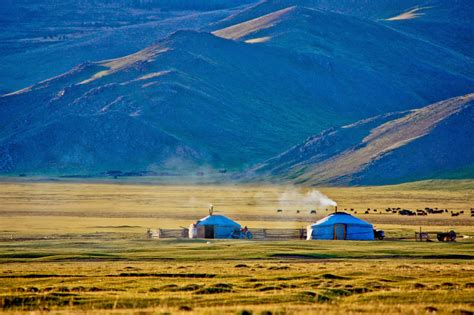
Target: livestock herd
{"type": "Point", "coordinates": [418, 212]}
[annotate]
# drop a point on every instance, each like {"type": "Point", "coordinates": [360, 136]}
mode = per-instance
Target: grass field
{"type": "Point", "coordinates": [80, 247]}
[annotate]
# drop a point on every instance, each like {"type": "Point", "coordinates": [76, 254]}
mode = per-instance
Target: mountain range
{"type": "Point", "coordinates": [233, 86]}
{"type": "Point", "coordinates": [430, 142]}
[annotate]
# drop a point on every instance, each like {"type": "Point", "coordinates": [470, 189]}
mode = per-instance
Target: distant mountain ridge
{"type": "Point", "coordinates": [448, 24]}
{"type": "Point", "coordinates": [49, 37]}
{"type": "Point", "coordinates": [240, 92]}
{"type": "Point", "coordinates": [396, 147]}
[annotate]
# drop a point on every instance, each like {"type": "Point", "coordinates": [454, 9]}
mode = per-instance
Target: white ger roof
{"type": "Point", "coordinates": [217, 219]}
{"type": "Point", "coordinates": [340, 217]}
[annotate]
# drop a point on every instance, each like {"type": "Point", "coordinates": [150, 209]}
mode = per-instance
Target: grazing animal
{"type": "Point", "coordinates": [406, 212]}
{"type": "Point", "coordinates": [297, 211]}
{"type": "Point", "coordinates": [279, 210]}
{"type": "Point", "coordinates": [421, 212]}
{"type": "Point", "coordinates": [313, 212]}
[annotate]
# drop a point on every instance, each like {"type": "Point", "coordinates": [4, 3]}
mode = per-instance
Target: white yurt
{"type": "Point", "coordinates": [341, 226]}
{"type": "Point", "coordinates": [214, 226]}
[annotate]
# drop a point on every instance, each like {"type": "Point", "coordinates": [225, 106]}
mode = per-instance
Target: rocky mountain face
{"type": "Point", "coordinates": [239, 85]}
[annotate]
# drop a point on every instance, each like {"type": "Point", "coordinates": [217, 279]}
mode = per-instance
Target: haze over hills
{"type": "Point", "coordinates": [241, 90]}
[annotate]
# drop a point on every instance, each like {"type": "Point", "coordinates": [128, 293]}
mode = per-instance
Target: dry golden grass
{"type": "Point", "coordinates": [213, 279]}
{"type": "Point", "coordinates": [408, 15]}
{"type": "Point", "coordinates": [114, 65]}
{"type": "Point", "coordinates": [80, 248]}
{"type": "Point", "coordinates": [243, 29]}
{"type": "Point", "coordinates": [256, 40]}
{"type": "Point", "coordinates": [51, 208]}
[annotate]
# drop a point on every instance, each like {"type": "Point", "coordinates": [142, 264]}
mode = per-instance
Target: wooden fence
{"type": "Point", "coordinates": [258, 234]}
{"type": "Point", "coordinates": [169, 233]}
{"type": "Point", "coordinates": [278, 234]}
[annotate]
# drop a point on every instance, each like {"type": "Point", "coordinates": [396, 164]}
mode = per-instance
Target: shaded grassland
{"type": "Point", "coordinates": [80, 248]}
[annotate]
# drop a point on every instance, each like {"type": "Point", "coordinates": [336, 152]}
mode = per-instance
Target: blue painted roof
{"type": "Point", "coordinates": [341, 218]}
{"type": "Point", "coordinates": [217, 219]}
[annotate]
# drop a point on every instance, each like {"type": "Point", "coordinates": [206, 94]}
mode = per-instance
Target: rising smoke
{"type": "Point", "coordinates": [313, 198]}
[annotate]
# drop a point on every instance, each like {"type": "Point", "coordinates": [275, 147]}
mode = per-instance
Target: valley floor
{"type": "Point", "coordinates": [81, 248]}
{"type": "Point", "coordinates": [227, 277]}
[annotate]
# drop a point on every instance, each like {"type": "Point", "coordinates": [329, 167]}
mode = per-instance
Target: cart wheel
{"type": "Point", "coordinates": [249, 235]}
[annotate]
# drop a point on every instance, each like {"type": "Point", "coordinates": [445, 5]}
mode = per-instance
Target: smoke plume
{"type": "Point", "coordinates": [312, 198]}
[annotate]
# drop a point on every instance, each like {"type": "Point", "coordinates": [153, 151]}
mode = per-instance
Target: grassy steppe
{"type": "Point", "coordinates": [228, 276]}
{"type": "Point", "coordinates": [51, 209]}
{"type": "Point", "coordinates": [80, 248]}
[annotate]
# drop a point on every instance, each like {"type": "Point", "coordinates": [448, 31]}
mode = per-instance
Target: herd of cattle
{"type": "Point", "coordinates": [418, 212]}
{"type": "Point", "coordinates": [400, 211]}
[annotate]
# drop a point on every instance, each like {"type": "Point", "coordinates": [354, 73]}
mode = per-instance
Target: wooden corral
{"type": "Point", "coordinates": [258, 234]}
{"type": "Point", "coordinates": [278, 234]}
{"type": "Point", "coordinates": [168, 233]}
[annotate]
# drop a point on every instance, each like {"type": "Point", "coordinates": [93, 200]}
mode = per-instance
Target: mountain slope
{"type": "Point", "coordinates": [48, 38]}
{"type": "Point", "coordinates": [324, 33]}
{"type": "Point", "coordinates": [397, 147]}
{"type": "Point", "coordinates": [187, 87]}
{"type": "Point", "coordinates": [445, 24]}
{"type": "Point", "coordinates": [93, 141]}
{"type": "Point", "coordinates": [228, 99]}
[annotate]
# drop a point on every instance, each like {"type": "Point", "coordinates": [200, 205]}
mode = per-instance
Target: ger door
{"type": "Point", "coordinates": [340, 231]}
{"type": "Point", "coordinates": [209, 231]}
